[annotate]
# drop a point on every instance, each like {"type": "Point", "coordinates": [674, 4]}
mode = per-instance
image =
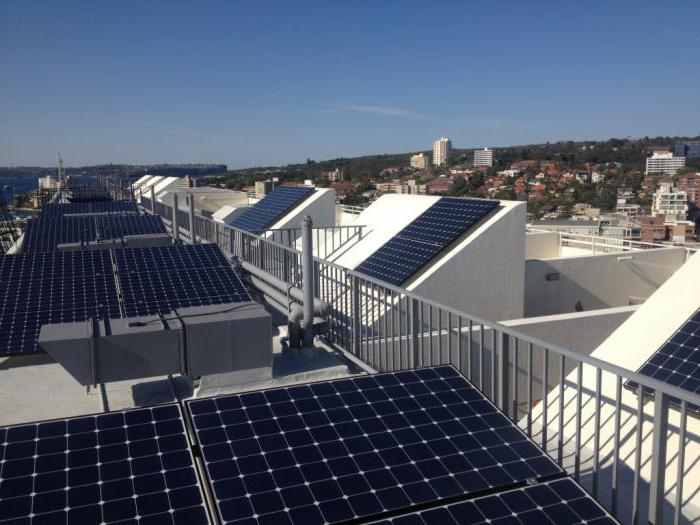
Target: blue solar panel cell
{"type": "Point", "coordinates": [123, 467]}
{"type": "Point", "coordinates": [677, 362]}
{"type": "Point", "coordinates": [353, 448]}
{"type": "Point", "coordinates": [424, 238]}
{"type": "Point", "coordinates": [272, 207]}
{"type": "Point", "coordinates": [554, 502]}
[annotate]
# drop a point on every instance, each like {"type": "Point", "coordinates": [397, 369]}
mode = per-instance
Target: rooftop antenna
{"type": "Point", "coordinates": [61, 171]}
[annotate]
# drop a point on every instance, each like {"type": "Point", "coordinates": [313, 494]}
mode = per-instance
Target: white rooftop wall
{"type": "Point", "coordinates": [483, 274]}
{"type": "Point", "coordinates": [629, 347]}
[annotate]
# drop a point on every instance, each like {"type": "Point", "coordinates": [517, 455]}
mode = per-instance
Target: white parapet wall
{"type": "Point", "coordinates": [635, 341]}
{"type": "Point", "coordinates": [483, 273]}
{"type": "Point", "coordinates": [542, 245]}
{"type": "Point", "coordinates": [320, 206]}
{"type": "Point", "coordinates": [593, 282]}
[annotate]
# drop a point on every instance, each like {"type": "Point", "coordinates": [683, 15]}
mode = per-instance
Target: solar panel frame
{"type": "Point", "coordinates": [332, 448]}
{"type": "Point", "coordinates": [101, 468]}
{"type": "Point", "coordinates": [272, 207]}
{"type": "Point", "coordinates": [676, 362]}
{"type": "Point", "coordinates": [432, 232]}
{"type": "Point", "coordinates": [554, 502]}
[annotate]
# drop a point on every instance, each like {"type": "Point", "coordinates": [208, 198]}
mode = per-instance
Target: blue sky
{"type": "Point", "coordinates": [261, 83]}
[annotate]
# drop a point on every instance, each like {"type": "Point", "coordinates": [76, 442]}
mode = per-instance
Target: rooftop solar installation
{"type": "Point", "coordinates": [356, 448]}
{"type": "Point", "coordinates": [677, 362]}
{"type": "Point", "coordinates": [133, 466]}
{"type": "Point", "coordinates": [59, 287]}
{"type": "Point", "coordinates": [160, 292]}
{"type": "Point", "coordinates": [45, 234]}
{"type": "Point", "coordinates": [553, 502]}
{"type": "Point", "coordinates": [272, 207]}
{"type": "Point", "coordinates": [429, 234]}
{"type": "Point", "coordinates": [58, 209]}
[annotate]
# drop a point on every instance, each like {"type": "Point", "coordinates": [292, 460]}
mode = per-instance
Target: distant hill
{"type": "Point", "coordinates": [631, 153]}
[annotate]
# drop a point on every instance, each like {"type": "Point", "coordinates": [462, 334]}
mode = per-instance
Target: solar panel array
{"type": "Point", "coordinates": [118, 467]}
{"type": "Point", "coordinates": [424, 238]}
{"type": "Point", "coordinates": [58, 209]}
{"type": "Point", "coordinates": [356, 448]}
{"type": "Point", "coordinates": [272, 207]}
{"type": "Point", "coordinates": [56, 287]}
{"type": "Point", "coordinates": [159, 280]}
{"type": "Point", "coordinates": [677, 362]}
{"type": "Point", "coordinates": [554, 502]}
{"type": "Point", "coordinates": [45, 234]}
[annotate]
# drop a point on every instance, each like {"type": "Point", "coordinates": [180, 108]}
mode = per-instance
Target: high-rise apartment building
{"type": "Point", "coordinates": [664, 162]}
{"type": "Point", "coordinates": [420, 161]}
{"type": "Point", "coordinates": [442, 149]}
{"type": "Point", "coordinates": [483, 157]}
{"type": "Point", "coordinates": [670, 202]}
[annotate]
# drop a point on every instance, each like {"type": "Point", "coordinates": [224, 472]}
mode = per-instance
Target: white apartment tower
{"type": "Point", "coordinates": [664, 162]}
{"type": "Point", "coordinates": [420, 161]}
{"type": "Point", "coordinates": [671, 202]}
{"type": "Point", "coordinates": [483, 157]}
{"type": "Point", "coordinates": [442, 149]}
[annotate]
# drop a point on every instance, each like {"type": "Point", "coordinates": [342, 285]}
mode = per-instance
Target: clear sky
{"type": "Point", "coordinates": [261, 83]}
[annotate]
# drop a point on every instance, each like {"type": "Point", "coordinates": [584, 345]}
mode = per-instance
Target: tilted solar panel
{"type": "Point", "coordinates": [58, 209]}
{"type": "Point", "coordinates": [272, 207]}
{"type": "Point", "coordinates": [57, 287]}
{"type": "Point", "coordinates": [554, 502]}
{"type": "Point", "coordinates": [132, 466]}
{"type": "Point", "coordinates": [148, 293]}
{"type": "Point", "coordinates": [355, 448]}
{"type": "Point", "coordinates": [424, 238]}
{"type": "Point", "coordinates": [677, 362]}
{"type": "Point", "coordinates": [44, 235]}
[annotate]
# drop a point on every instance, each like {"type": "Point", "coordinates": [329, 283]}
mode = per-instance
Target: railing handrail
{"type": "Point", "coordinates": [495, 325]}
{"type": "Point", "coordinates": [603, 240]}
{"type": "Point", "coordinates": [645, 381]}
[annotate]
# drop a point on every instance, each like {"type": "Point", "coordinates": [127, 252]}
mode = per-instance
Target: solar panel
{"type": "Point", "coordinates": [57, 287]}
{"type": "Point", "coordinates": [158, 280]}
{"type": "Point", "coordinates": [44, 234]}
{"type": "Point", "coordinates": [133, 465]}
{"type": "Point", "coordinates": [553, 502]}
{"type": "Point", "coordinates": [353, 448]}
{"type": "Point", "coordinates": [419, 242]}
{"type": "Point", "coordinates": [58, 209]}
{"type": "Point", "coordinates": [148, 293]}
{"type": "Point", "coordinates": [677, 362]}
{"type": "Point", "coordinates": [272, 207]}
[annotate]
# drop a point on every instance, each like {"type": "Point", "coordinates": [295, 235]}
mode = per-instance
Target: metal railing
{"type": "Point", "coordinates": [602, 244]}
{"type": "Point", "coordinates": [632, 450]}
{"type": "Point", "coordinates": [328, 241]}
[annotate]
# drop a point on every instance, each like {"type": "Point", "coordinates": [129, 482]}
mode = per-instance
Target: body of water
{"type": "Point", "coordinates": [13, 187]}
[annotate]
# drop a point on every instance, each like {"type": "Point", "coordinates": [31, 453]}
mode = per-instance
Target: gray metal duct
{"type": "Point", "coordinates": [196, 341]}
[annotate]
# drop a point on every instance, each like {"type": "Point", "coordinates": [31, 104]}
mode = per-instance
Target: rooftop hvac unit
{"type": "Point", "coordinates": [195, 341]}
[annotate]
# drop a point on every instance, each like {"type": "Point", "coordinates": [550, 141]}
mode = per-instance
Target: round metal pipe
{"type": "Point", "coordinates": [307, 278]}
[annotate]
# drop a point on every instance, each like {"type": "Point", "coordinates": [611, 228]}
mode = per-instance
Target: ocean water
{"type": "Point", "coordinates": [18, 186]}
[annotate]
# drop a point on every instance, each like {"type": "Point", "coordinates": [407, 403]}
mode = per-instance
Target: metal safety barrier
{"type": "Point", "coordinates": [631, 446]}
